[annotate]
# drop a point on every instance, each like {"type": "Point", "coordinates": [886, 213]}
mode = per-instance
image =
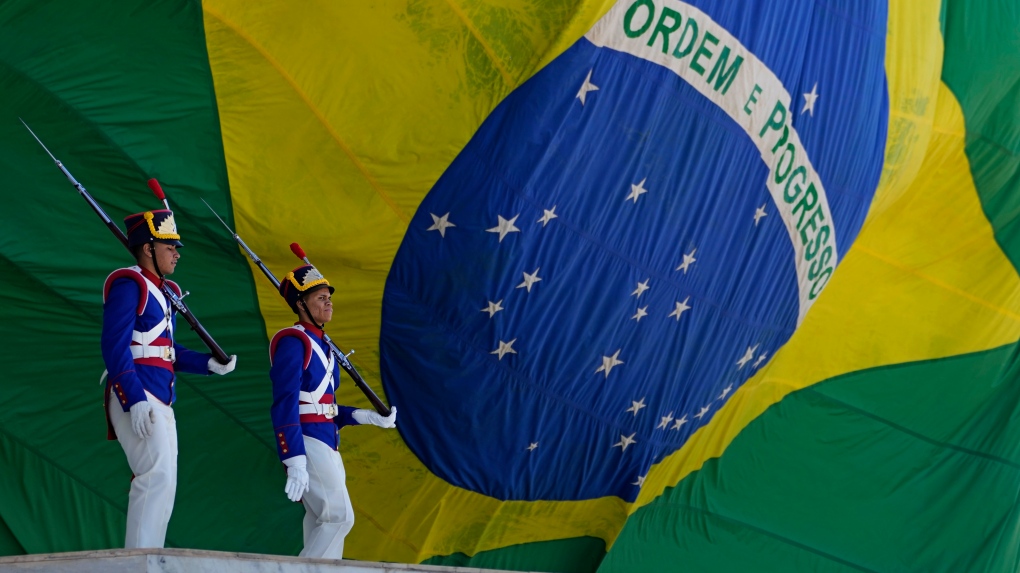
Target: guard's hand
{"type": "Point", "coordinates": [142, 419]}
{"type": "Point", "coordinates": [373, 417]}
{"type": "Point", "coordinates": [297, 482]}
{"type": "Point", "coordinates": [221, 369]}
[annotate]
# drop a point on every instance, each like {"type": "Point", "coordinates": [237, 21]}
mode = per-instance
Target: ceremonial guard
{"type": "Point", "coordinates": [141, 359]}
{"type": "Point", "coordinates": [306, 417]}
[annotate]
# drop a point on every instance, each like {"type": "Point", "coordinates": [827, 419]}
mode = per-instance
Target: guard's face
{"type": "Point", "coordinates": [167, 256]}
{"type": "Point", "coordinates": [320, 306]}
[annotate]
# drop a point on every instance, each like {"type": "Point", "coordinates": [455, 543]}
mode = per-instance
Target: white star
{"type": "Point", "coordinates": [586, 87]}
{"type": "Point", "coordinates": [637, 190]}
{"type": "Point", "coordinates": [548, 215]}
{"type": "Point", "coordinates": [532, 447]}
{"type": "Point", "coordinates": [759, 214]}
{"type": "Point", "coordinates": [688, 261]}
{"type": "Point", "coordinates": [726, 392]}
{"type": "Point", "coordinates": [664, 421]}
{"type": "Point", "coordinates": [640, 481]}
{"type": "Point", "coordinates": [493, 307]}
{"type": "Point", "coordinates": [702, 412]}
{"type": "Point", "coordinates": [636, 406]}
{"type": "Point", "coordinates": [641, 313]}
{"type": "Point", "coordinates": [746, 357]}
{"type": "Point", "coordinates": [505, 348]}
{"type": "Point", "coordinates": [505, 227]}
{"type": "Point", "coordinates": [609, 362]}
{"type": "Point", "coordinates": [809, 101]}
{"type": "Point", "coordinates": [440, 224]}
{"type": "Point", "coordinates": [641, 288]}
{"type": "Point", "coordinates": [530, 280]}
{"type": "Point", "coordinates": [680, 308]}
{"type": "Point", "coordinates": [759, 360]}
{"type": "Point", "coordinates": [679, 422]}
{"type": "Point", "coordinates": [626, 441]}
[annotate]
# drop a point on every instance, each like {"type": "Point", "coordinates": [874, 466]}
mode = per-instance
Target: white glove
{"type": "Point", "coordinates": [297, 478]}
{"type": "Point", "coordinates": [142, 419]}
{"type": "Point", "coordinates": [372, 417]}
{"type": "Point", "coordinates": [221, 369]}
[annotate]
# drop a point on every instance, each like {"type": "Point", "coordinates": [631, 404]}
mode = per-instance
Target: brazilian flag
{"type": "Point", "coordinates": [699, 285]}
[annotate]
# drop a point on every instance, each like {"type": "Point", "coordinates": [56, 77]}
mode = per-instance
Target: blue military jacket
{"type": "Point", "coordinates": [138, 339]}
{"type": "Point", "coordinates": [305, 376]}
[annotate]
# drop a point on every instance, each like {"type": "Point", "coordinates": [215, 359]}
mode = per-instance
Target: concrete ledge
{"type": "Point", "coordinates": [195, 561]}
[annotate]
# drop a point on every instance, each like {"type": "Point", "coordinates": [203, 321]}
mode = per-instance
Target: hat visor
{"type": "Point", "coordinates": [173, 242]}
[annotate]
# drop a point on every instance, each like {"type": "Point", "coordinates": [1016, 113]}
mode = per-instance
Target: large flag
{"type": "Point", "coordinates": [653, 283]}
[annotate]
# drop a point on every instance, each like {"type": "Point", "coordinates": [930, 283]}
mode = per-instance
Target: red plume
{"type": "Point", "coordinates": [156, 189]}
{"type": "Point", "coordinates": [297, 250]}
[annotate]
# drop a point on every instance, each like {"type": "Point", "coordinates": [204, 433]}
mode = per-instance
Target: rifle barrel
{"type": "Point", "coordinates": [341, 358]}
{"type": "Point", "coordinates": [168, 292]}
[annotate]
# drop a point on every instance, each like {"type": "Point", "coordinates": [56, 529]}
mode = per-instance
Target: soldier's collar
{"type": "Point", "coordinates": [151, 276]}
{"type": "Point", "coordinates": [311, 328]}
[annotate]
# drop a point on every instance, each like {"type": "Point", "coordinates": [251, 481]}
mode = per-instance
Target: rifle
{"type": "Point", "coordinates": [341, 358]}
{"type": "Point", "coordinates": [176, 301]}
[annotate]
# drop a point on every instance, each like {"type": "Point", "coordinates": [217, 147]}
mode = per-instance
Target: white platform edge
{"type": "Point", "coordinates": [199, 561]}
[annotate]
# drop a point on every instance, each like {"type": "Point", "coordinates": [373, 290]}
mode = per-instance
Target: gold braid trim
{"type": "Point", "coordinates": [293, 281]}
{"type": "Point", "coordinates": [152, 228]}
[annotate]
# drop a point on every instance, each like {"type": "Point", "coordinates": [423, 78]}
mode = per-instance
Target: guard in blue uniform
{"type": "Point", "coordinates": [306, 417]}
{"type": "Point", "coordinates": [141, 359]}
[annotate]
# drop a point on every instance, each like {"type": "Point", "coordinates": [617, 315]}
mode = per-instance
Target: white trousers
{"type": "Point", "coordinates": [153, 461]}
{"type": "Point", "coordinates": [328, 513]}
